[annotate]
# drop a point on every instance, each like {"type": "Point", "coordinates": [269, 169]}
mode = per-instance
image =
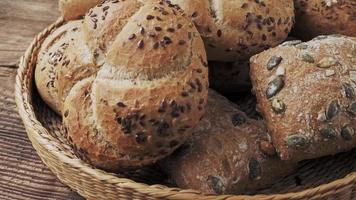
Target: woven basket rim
{"type": "Point", "coordinates": [28, 116]}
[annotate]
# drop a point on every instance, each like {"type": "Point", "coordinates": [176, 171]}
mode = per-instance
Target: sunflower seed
{"type": "Point", "coordinates": [298, 142]}
{"type": "Point", "coordinates": [273, 62]}
{"type": "Point", "coordinates": [275, 86]}
{"type": "Point", "coordinates": [347, 132]}
{"type": "Point", "coordinates": [278, 106]}
{"type": "Point", "coordinates": [332, 109]}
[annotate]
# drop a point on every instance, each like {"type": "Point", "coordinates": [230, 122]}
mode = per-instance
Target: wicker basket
{"type": "Point", "coordinates": [331, 177]}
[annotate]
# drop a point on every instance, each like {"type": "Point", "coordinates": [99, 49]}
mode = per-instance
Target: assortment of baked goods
{"type": "Point", "coordinates": [130, 80]}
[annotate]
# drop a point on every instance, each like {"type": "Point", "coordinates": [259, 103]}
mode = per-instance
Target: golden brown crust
{"type": "Point", "coordinates": [75, 9]}
{"type": "Point", "coordinates": [50, 58]}
{"type": "Point", "coordinates": [224, 156]}
{"type": "Point", "coordinates": [323, 17]}
{"type": "Point", "coordinates": [308, 95]}
{"type": "Point", "coordinates": [144, 100]}
{"type": "Point", "coordinates": [236, 30]}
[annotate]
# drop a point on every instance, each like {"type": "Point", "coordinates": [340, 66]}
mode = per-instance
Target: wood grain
{"type": "Point", "coordinates": [20, 21]}
{"type": "Point", "coordinates": [22, 173]}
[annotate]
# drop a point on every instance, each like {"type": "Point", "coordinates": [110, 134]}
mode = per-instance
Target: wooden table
{"type": "Point", "coordinates": [22, 173]}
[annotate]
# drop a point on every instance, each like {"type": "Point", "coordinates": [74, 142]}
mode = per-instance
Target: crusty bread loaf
{"type": "Point", "coordinates": [50, 59]}
{"type": "Point", "coordinates": [236, 30]}
{"type": "Point", "coordinates": [75, 9]}
{"type": "Point", "coordinates": [228, 153]}
{"type": "Point", "coordinates": [133, 83]}
{"type": "Point", "coordinates": [306, 93]}
{"type": "Point", "coordinates": [230, 77]}
{"type": "Point", "coordinates": [323, 17]}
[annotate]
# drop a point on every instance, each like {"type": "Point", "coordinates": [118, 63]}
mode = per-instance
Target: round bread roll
{"type": "Point", "coordinates": [230, 77]}
{"type": "Point", "coordinates": [227, 154]}
{"type": "Point", "coordinates": [323, 17]}
{"type": "Point", "coordinates": [236, 30]}
{"type": "Point", "coordinates": [307, 95]}
{"type": "Point", "coordinates": [132, 83]}
{"type": "Point", "coordinates": [50, 57]}
{"type": "Point", "coordinates": [75, 9]}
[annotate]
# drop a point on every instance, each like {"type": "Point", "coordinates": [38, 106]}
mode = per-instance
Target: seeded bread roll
{"type": "Point", "coordinates": [323, 17]}
{"type": "Point", "coordinates": [230, 77]}
{"type": "Point", "coordinates": [75, 9]}
{"type": "Point", "coordinates": [228, 153]}
{"type": "Point", "coordinates": [150, 88]}
{"type": "Point", "coordinates": [236, 30]}
{"type": "Point", "coordinates": [306, 93]}
{"type": "Point", "coordinates": [50, 59]}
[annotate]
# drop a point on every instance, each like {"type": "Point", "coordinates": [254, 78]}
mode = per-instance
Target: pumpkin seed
{"type": "Point", "coordinates": [298, 142]}
{"type": "Point", "coordinates": [326, 62]}
{"type": "Point", "coordinates": [278, 106]}
{"type": "Point", "coordinates": [353, 76]}
{"type": "Point", "coordinates": [302, 46]}
{"type": "Point", "coordinates": [349, 90]}
{"type": "Point", "coordinates": [275, 86]}
{"type": "Point", "coordinates": [273, 62]}
{"type": "Point", "coordinates": [347, 132]}
{"type": "Point", "coordinates": [332, 109]}
{"type": "Point", "coordinates": [306, 57]}
{"type": "Point", "coordinates": [328, 133]}
{"type": "Point", "coordinates": [254, 169]}
{"type": "Point", "coordinates": [216, 184]}
{"type": "Point", "coordinates": [352, 109]}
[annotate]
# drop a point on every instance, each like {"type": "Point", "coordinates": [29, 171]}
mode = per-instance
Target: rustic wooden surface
{"type": "Point", "coordinates": [22, 173]}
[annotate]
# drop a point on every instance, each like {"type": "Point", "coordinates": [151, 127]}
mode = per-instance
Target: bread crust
{"type": "Point", "coordinates": [224, 154]}
{"type": "Point", "coordinates": [236, 30]}
{"type": "Point", "coordinates": [142, 101]}
{"type": "Point", "coordinates": [50, 58]}
{"type": "Point", "coordinates": [324, 17]}
{"type": "Point", "coordinates": [75, 9]}
{"type": "Point", "coordinates": [307, 95]}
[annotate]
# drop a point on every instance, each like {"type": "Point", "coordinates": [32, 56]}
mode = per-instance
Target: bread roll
{"type": "Point", "coordinates": [306, 93]}
{"type": "Point", "coordinates": [228, 153]}
{"type": "Point", "coordinates": [50, 58]}
{"type": "Point", "coordinates": [236, 30]}
{"type": "Point", "coordinates": [231, 77]}
{"type": "Point", "coordinates": [133, 84]}
{"type": "Point", "coordinates": [75, 9]}
{"type": "Point", "coordinates": [323, 17]}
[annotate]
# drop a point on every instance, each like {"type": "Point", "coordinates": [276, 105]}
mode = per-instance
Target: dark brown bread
{"type": "Point", "coordinates": [228, 153]}
{"type": "Point", "coordinates": [231, 77]}
{"type": "Point", "coordinates": [131, 84]}
{"type": "Point", "coordinates": [306, 93]}
{"type": "Point", "coordinates": [237, 29]}
{"type": "Point", "coordinates": [323, 17]}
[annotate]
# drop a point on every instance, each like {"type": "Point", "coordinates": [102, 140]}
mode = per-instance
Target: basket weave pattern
{"type": "Point", "coordinates": [327, 178]}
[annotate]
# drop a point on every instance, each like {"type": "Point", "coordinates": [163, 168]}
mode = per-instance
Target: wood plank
{"type": "Point", "coordinates": [20, 21]}
{"type": "Point", "coordinates": [22, 173]}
